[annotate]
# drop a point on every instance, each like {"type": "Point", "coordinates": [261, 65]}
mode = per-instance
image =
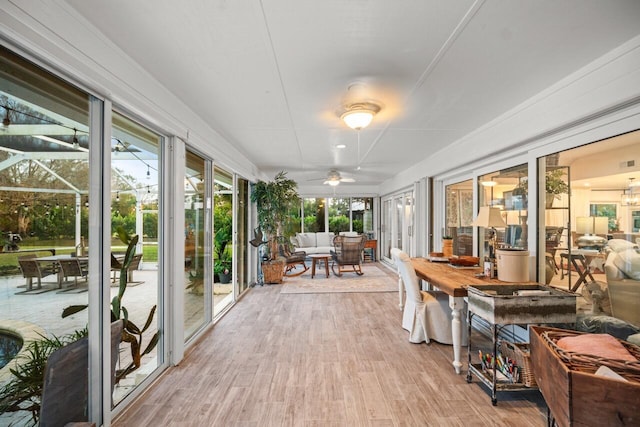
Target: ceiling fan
{"type": "Point", "coordinates": [334, 178]}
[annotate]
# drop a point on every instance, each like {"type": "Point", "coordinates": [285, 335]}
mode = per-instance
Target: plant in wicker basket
{"type": "Point", "coordinates": [274, 200]}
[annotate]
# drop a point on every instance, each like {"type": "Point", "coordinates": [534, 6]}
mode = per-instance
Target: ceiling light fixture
{"type": "Point", "coordinates": [631, 196]}
{"type": "Point", "coordinates": [334, 178]}
{"type": "Point", "coordinates": [341, 146]}
{"type": "Point", "coordinates": [360, 114]}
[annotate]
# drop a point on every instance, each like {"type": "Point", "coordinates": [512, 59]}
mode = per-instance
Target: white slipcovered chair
{"type": "Point", "coordinates": [426, 314]}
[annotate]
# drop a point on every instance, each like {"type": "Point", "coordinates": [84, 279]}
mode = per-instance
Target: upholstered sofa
{"type": "Point", "coordinates": [316, 243]}
{"type": "Point", "coordinates": [622, 269]}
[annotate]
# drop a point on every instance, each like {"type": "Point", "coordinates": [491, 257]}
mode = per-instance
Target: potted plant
{"type": "Point", "coordinates": [274, 199]}
{"type": "Point", "coordinates": [222, 267]}
{"type": "Point", "coordinates": [554, 186]}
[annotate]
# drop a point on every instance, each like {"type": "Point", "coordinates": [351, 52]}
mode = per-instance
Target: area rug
{"type": "Point", "coordinates": [374, 279]}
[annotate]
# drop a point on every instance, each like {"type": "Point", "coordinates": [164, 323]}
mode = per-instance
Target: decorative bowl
{"type": "Point", "coordinates": [464, 261]}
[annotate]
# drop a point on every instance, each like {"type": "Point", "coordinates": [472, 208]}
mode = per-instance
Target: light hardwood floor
{"type": "Point", "coordinates": [337, 359]}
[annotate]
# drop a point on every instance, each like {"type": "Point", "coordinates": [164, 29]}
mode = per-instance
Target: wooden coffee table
{"type": "Point", "coordinates": [315, 258]}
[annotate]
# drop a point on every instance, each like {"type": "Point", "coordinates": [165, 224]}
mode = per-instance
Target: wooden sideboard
{"type": "Point", "coordinates": [373, 246]}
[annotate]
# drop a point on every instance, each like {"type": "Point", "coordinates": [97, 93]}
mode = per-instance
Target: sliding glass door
{"type": "Point", "coordinates": [223, 233]}
{"type": "Point", "coordinates": [45, 143]}
{"type": "Point", "coordinates": [241, 264]}
{"type": "Point", "coordinates": [397, 224]}
{"type": "Point", "coordinates": [196, 214]}
{"type": "Point", "coordinates": [136, 212]}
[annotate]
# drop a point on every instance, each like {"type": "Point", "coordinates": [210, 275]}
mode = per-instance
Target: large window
{"type": "Point", "coordinates": [362, 216]}
{"type": "Point", "coordinates": [590, 209]}
{"type": "Point", "coordinates": [339, 211]}
{"type": "Point", "coordinates": [314, 214]}
{"type": "Point", "coordinates": [459, 215]}
{"type": "Point", "coordinates": [344, 214]}
{"type": "Point", "coordinates": [504, 191]}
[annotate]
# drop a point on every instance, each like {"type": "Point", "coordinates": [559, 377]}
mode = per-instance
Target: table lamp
{"type": "Point", "coordinates": [490, 217]}
{"type": "Point", "coordinates": [589, 226]}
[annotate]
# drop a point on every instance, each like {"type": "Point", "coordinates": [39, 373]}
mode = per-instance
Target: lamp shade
{"type": "Point", "coordinates": [513, 217]}
{"type": "Point", "coordinates": [489, 217]}
{"type": "Point", "coordinates": [592, 224]}
{"type": "Point", "coordinates": [600, 225]}
{"type": "Point", "coordinates": [584, 225]}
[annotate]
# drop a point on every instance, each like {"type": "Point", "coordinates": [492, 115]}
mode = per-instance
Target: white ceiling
{"type": "Point", "coordinates": [269, 75]}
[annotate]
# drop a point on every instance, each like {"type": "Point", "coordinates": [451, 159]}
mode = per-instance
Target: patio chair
{"type": "Point", "coordinates": [135, 265]}
{"type": "Point", "coordinates": [348, 253]}
{"type": "Point", "coordinates": [31, 269]}
{"type": "Point", "coordinates": [72, 267]}
{"type": "Point", "coordinates": [116, 267]}
{"type": "Point", "coordinates": [293, 259]}
{"type": "Point", "coordinates": [65, 388]}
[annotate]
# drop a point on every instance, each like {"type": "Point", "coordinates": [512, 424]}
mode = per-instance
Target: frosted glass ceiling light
{"type": "Point", "coordinates": [359, 115]}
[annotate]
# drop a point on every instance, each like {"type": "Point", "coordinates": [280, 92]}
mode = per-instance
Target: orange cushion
{"type": "Point", "coordinates": [601, 345]}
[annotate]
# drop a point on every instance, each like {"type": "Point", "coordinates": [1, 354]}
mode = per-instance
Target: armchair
{"type": "Point", "coordinates": [623, 288]}
{"type": "Point", "coordinates": [348, 253]}
{"type": "Point", "coordinates": [293, 259]}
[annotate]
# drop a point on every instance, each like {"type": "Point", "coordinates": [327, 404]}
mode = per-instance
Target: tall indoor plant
{"type": "Point", "coordinates": [274, 200]}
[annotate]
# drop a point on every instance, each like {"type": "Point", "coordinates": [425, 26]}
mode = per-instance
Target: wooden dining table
{"type": "Point", "coordinates": [454, 282]}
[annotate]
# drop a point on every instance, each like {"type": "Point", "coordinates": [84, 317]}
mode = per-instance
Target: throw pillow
{"type": "Point", "coordinates": [349, 233]}
{"type": "Point", "coordinates": [618, 245]}
{"type": "Point", "coordinates": [629, 263]}
{"type": "Point", "coordinates": [324, 239]}
{"type": "Point", "coordinates": [306, 240]}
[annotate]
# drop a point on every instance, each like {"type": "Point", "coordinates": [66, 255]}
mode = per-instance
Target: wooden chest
{"type": "Point", "coordinates": [577, 398]}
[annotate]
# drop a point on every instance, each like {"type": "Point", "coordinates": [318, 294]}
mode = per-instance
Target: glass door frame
{"type": "Point", "coordinates": [400, 227]}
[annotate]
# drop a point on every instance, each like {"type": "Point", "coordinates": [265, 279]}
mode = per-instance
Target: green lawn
{"type": "Point", "coordinates": [9, 260]}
